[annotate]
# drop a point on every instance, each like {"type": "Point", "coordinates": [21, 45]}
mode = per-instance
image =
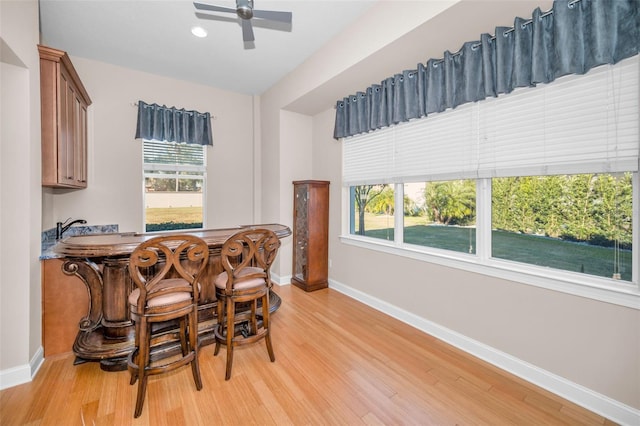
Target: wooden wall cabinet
{"type": "Point", "coordinates": [64, 103]}
{"type": "Point", "coordinates": [310, 234]}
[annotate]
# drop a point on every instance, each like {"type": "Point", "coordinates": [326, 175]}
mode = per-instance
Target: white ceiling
{"type": "Point", "coordinates": [155, 36]}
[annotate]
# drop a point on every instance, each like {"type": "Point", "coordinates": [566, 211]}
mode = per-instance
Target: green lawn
{"type": "Point", "coordinates": [159, 219]}
{"type": "Point", "coordinates": [531, 249]}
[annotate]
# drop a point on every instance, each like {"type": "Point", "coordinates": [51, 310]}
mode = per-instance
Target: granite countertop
{"type": "Point", "coordinates": [48, 240]}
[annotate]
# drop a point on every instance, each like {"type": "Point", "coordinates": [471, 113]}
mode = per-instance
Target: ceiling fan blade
{"type": "Point", "coordinates": [247, 30]}
{"type": "Point", "coordinates": [273, 15]}
{"type": "Point", "coordinates": [212, 8]}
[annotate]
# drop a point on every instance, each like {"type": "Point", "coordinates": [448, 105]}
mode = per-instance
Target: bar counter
{"type": "Point", "coordinates": [106, 332]}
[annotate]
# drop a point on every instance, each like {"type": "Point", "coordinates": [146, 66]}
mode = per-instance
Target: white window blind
{"type": "Point", "coordinates": [577, 124]}
{"type": "Point", "coordinates": [441, 147]}
{"type": "Point", "coordinates": [368, 159]}
{"type": "Point", "coordinates": [162, 155]}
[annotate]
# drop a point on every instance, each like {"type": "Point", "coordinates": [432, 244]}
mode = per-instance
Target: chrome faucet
{"type": "Point", "coordinates": [62, 227]}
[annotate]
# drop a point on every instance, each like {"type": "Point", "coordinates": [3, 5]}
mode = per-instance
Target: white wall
{"type": "Point", "coordinates": [295, 150]}
{"type": "Point", "coordinates": [20, 296]}
{"type": "Point", "coordinates": [115, 193]}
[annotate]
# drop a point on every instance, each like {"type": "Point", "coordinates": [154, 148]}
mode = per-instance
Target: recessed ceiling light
{"type": "Point", "coordinates": [199, 32]}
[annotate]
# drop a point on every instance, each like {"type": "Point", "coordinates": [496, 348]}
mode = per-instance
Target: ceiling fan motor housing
{"type": "Point", "coordinates": [244, 9]}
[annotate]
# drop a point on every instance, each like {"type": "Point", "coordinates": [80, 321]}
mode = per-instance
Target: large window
{"type": "Point", "coordinates": [174, 185]}
{"type": "Point", "coordinates": [580, 223]}
{"type": "Point", "coordinates": [542, 181]}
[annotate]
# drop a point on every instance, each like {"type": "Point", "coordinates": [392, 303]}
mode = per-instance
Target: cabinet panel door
{"type": "Point", "coordinates": [65, 302]}
{"type": "Point", "coordinates": [64, 175]}
{"type": "Point", "coordinates": [65, 129]}
{"type": "Point", "coordinates": [300, 232]}
{"type": "Point", "coordinates": [80, 142]}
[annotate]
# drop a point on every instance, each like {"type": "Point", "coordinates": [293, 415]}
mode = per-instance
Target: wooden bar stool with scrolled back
{"type": "Point", "coordinates": [246, 258]}
{"type": "Point", "coordinates": [166, 271]}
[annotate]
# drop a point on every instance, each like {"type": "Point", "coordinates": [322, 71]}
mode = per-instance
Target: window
{"type": "Point", "coordinates": [441, 214]}
{"type": "Point", "coordinates": [580, 223]}
{"type": "Point", "coordinates": [373, 208]}
{"type": "Point", "coordinates": [542, 181]}
{"type": "Point", "coordinates": [174, 185]}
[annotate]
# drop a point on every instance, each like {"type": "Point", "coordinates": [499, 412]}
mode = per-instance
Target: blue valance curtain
{"type": "Point", "coordinates": [571, 38]}
{"type": "Point", "coordinates": [162, 123]}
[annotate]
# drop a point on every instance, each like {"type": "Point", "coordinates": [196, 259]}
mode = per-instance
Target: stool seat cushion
{"type": "Point", "coordinates": [221, 280]}
{"type": "Point", "coordinates": [167, 299]}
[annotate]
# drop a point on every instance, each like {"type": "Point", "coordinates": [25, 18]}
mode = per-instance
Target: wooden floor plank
{"type": "Point", "coordinates": [338, 362]}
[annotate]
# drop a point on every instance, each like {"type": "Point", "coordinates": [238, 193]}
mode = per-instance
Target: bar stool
{"type": "Point", "coordinates": [246, 258]}
{"type": "Point", "coordinates": [166, 271]}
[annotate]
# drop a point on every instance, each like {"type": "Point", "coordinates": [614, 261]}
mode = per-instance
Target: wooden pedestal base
{"type": "Point", "coordinates": [309, 286]}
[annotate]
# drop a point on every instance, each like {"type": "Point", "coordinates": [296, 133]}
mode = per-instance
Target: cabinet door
{"type": "Point", "coordinates": [68, 142]}
{"type": "Point", "coordinates": [80, 142]}
{"type": "Point", "coordinates": [66, 98]}
{"type": "Point", "coordinates": [65, 302]}
{"type": "Point", "coordinates": [301, 232]}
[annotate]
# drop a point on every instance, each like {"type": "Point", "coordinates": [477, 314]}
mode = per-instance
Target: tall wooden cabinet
{"type": "Point", "coordinates": [310, 234]}
{"type": "Point", "coordinates": [64, 103]}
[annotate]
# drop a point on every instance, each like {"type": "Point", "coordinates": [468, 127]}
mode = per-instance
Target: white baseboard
{"type": "Point", "coordinates": [578, 394]}
{"type": "Point", "coordinates": [286, 280]}
{"type": "Point", "coordinates": [22, 374]}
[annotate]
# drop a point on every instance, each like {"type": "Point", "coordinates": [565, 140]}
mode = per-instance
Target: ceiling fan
{"type": "Point", "coordinates": [245, 11]}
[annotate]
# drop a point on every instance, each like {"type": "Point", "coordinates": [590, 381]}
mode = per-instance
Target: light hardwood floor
{"type": "Point", "coordinates": [337, 362]}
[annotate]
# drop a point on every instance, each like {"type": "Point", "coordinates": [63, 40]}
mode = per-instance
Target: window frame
{"type": "Point", "coordinates": [160, 167]}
